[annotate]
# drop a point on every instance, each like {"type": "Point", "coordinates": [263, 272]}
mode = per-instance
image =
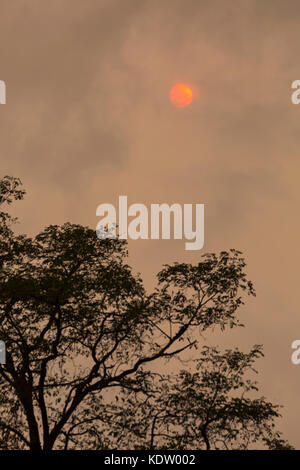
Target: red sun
{"type": "Point", "coordinates": [181, 95]}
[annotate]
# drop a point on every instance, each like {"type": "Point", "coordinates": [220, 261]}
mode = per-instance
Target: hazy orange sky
{"type": "Point", "coordinates": [88, 118]}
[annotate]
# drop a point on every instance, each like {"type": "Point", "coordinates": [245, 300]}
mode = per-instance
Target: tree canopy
{"type": "Point", "coordinates": [82, 335]}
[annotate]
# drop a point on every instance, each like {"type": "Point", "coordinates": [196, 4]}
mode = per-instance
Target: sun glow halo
{"type": "Point", "coordinates": [181, 95]}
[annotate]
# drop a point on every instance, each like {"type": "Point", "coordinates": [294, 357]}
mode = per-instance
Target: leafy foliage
{"type": "Point", "coordinates": [213, 407]}
{"type": "Point", "coordinates": [82, 336]}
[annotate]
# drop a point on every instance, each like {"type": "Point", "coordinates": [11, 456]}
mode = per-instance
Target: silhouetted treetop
{"type": "Point", "coordinates": [80, 330]}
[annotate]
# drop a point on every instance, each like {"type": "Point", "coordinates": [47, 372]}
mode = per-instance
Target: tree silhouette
{"type": "Point", "coordinates": [209, 408]}
{"type": "Point", "coordinates": [82, 335]}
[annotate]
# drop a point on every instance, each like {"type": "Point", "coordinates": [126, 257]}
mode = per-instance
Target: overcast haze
{"type": "Point", "coordinates": [88, 118]}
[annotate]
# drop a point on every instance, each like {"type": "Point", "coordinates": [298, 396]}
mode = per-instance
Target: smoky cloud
{"type": "Point", "coordinates": [88, 119]}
